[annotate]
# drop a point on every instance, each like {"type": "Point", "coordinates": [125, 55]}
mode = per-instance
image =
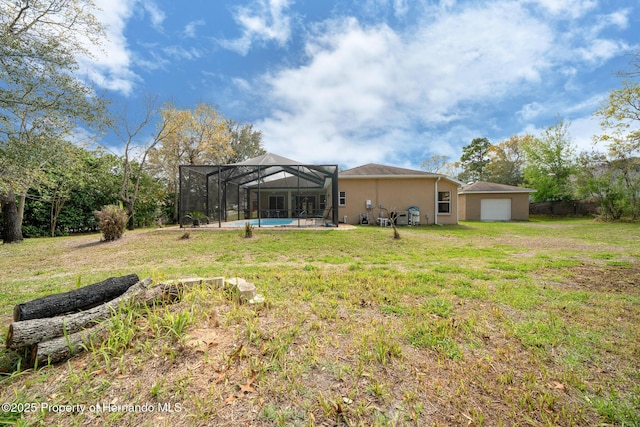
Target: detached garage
{"type": "Point", "coordinates": [486, 201]}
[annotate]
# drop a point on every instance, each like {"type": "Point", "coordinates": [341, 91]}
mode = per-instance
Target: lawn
{"type": "Point", "coordinates": [532, 323]}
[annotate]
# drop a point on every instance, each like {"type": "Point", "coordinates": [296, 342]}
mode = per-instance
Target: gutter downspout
{"type": "Point", "coordinates": [457, 214]}
{"type": "Point", "coordinates": [435, 209]}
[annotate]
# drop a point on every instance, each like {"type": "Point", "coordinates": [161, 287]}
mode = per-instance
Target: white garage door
{"type": "Point", "coordinates": [495, 210]}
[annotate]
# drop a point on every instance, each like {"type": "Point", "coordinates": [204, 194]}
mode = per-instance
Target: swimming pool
{"type": "Point", "coordinates": [266, 222]}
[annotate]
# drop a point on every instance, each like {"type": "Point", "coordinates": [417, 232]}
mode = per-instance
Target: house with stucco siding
{"type": "Point", "coordinates": [371, 191]}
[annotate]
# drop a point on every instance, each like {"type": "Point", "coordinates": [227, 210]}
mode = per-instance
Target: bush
{"type": "Point", "coordinates": [248, 230]}
{"type": "Point", "coordinates": [29, 231]}
{"type": "Point", "coordinates": [111, 221]}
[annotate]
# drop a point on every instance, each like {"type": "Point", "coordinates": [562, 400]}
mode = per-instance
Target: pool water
{"type": "Point", "coordinates": [264, 222]}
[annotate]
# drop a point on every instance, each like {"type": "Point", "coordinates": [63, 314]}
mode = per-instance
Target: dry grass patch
{"type": "Point", "coordinates": [446, 326]}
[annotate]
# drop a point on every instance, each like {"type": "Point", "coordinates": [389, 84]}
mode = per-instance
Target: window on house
{"type": "Point", "coordinates": [444, 202]}
{"type": "Point", "coordinates": [276, 207]}
{"type": "Point", "coordinates": [342, 199]}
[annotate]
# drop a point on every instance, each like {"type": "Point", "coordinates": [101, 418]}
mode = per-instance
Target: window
{"type": "Point", "coordinates": [276, 202]}
{"type": "Point", "coordinates": [444, 202]}
{"type": "Point", "coordinates": [342, 199]}
{"type": "Point", "coordinates": [276, 207]}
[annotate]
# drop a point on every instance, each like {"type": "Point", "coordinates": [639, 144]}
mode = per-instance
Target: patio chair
{"type": "Point", "coordinates": [383, 220]}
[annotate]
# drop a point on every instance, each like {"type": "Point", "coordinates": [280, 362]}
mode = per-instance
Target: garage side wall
{"type": "Point", "coordinates": [520, 207]}
{"type": "Point", "coordinates": [462, 207]}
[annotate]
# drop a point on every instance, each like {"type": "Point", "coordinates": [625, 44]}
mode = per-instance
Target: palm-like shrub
{"type": "Point", "coordinates": [248, 230]}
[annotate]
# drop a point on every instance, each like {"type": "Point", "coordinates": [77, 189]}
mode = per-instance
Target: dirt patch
{"type": "Point", "coordinates": [610, 278]}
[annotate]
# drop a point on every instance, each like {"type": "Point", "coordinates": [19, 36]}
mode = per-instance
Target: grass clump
{"type": "Point", "coordinates": [112, 220]}
{"type": "Point", "coordinates": [248, 230]}
{"type": "Point", "coordinates": [437, 335]}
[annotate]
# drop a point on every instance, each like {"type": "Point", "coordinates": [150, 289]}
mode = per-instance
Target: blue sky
{"type": "Point", "coordinates": [372, 81]}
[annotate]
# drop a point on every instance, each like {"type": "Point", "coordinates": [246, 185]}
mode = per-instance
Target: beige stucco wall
{"type": "Point", "coordinates": [470, 205]}
{"type": "Point", "coordinates": [397, 194]}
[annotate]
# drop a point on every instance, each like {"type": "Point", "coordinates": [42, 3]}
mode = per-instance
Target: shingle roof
{"type": "Point", "coordinates": [373, 169]}
{"type": "Point", "coordinates": [490, 187]}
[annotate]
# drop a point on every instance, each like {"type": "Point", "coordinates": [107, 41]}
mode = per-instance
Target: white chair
{"type": "Point", "coordinates": [383, 220]}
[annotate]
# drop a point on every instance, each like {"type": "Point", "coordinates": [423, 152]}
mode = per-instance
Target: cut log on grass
{"type": "Point", "coordinates": [62, 348]}
{"type": "Point", "coordinates": [29, 332]}
{"type": "Point", "coordinates": [54, 339]}
{"type": "Point", "coordinates": [77, 299]}
{"type": "Point", "coordinates": [163, 293]}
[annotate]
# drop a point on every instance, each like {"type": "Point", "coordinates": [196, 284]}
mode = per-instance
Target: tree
{"type": "Point", "coordinates": [40, 43]}
{"type": "Point", "coordinates": [474, 160]}
{"type": "Point", "coordinates": [440, 164]}
{"type": "Point", "coordinates": [40, 99]}
{"type": "Point", "coordinates": [137, 147]}
{"type": "Point", "coordinates": [23, 159]}
{"type": "Point", "coordinates": [550, 163]}
{"type": "Point", "coordinates": [246, 143]}
{"type": "Point", "coordinates": [507, 160]}
{"type": "Point", "coordinates": [66, 176]}
{"type": "Point", "coordinates": [597, 180]}
{"type": "Point", "coordinates": [435, 163]}
{"type": "Point", "coordinates": [197, 137]}
{"type": "Point", "coordinates": [620, 123]}
{"type": "Point", "coordinates": [75, 185]}
{"type": "Point", "coordinates": [635, 64]}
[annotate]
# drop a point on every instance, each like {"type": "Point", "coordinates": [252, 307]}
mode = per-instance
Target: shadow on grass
{"type": "Point", "coordinates": [89, 244]}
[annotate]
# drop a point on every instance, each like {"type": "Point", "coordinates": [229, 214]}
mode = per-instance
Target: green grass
{"type": "Point", "coordinates": [483, 323]}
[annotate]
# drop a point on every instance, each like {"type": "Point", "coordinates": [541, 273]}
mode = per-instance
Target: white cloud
{"type": "Point", "coordinates": [601, 50]}
{"type": "Point", "coordinates": [242, 84]}
{"type": "Point", "coordinates": [530, 111]}
{"type": "Point", "coordinates": [191, 28]}
{"type": "Point", "coordinates": [447, 4]}
{"type": "Point", "coordinates": [363, 89]}
{"type": "Point", "coordinates": [400, 7]}
{"type": "Point", "coordinates": [181, 53]}
{"type": "Point", "coordinates": [618, 19]}
{"type": "Point", "coordinates": [594, 47]}
{"type": "Point", "coordinates": [586, 106]}
{"type": "Point", "coordinates": [263, 21]}
{"type": "Point", "coordinates": [111, 66]}
{"type": "Point", "coordinates": [156, 15]}
{"type": "Point", "coordinates": [570, 8]}
{"type": "Point", "coordinates": [582, 130]}
{"type": "Point", "coordinates": [377, 8]}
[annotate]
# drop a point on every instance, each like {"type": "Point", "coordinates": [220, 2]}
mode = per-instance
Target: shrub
{"type": "Point", "coordinates": [112, 221]}
{"type": "Point", "coordinates": [248, 230]}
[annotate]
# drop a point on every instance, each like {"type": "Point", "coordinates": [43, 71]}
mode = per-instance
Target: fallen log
{"type": "Point", "coordinates": [61, 348]}
{"type": "Point", "coordinates": [77, 299]}
{"type": "Point", "coordinates": [29, 332]}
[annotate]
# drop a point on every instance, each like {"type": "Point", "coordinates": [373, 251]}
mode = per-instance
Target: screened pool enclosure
{"type": "Point", "coordinates": [265, 187]}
